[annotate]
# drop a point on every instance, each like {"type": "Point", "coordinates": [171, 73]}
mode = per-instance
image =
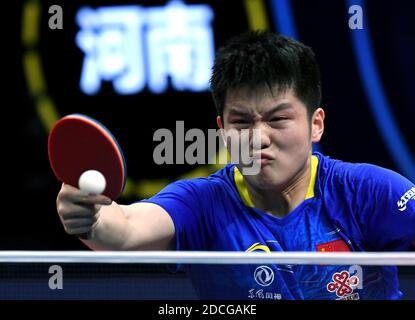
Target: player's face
{"type": "Point", "coordinates": [286, 132]}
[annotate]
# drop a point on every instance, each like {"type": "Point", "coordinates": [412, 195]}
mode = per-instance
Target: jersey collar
{"type": "Point", "coordinates": [243, 190]}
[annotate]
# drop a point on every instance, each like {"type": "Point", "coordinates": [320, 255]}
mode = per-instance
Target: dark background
{"type": "Point", "coordinates": [29, 219]}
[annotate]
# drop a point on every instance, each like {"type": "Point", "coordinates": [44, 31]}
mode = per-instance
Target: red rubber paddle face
{"type": "Point", "coordinates": [78, 143]}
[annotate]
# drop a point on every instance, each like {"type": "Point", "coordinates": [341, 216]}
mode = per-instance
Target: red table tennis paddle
{"type": "Point", "coordinates": [78, 143]}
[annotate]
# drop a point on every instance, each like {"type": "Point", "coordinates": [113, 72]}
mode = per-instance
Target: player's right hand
{"type": "Point", "coordinates": [78, 211]}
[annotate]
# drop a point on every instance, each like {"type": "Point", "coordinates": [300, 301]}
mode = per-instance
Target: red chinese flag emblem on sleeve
{"type": "Point", "coordinates": [333, 246]}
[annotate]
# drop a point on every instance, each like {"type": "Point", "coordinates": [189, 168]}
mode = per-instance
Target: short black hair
{"type": "Point", "coordinates": [258, 58]}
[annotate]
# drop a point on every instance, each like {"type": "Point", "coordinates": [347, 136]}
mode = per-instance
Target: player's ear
{"type": "Point", "coordinates": [317, 125]}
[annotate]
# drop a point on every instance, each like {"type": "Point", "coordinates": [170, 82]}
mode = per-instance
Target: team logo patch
{"type": "Point", "coordinates": [343, 284]}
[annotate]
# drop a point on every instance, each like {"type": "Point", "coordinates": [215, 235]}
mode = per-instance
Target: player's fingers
{"type": "Point", "coordinates": [72, 194]}
{"type": "Point", "coordinates": [94, 199]}
{"type": "Point", "coordinates": [84, 198]}
{"type": "Point", "coordinates": [70, 210]}
{"type": "Point", "coordinates": [80, 210]}
{"type": "Point", "coordinates": [73, 224]}
{"type": "Point", "coordinates": [80, 230]}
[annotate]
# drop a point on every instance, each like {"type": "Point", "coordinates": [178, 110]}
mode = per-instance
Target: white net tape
{"type": "Point", "coordinates": [211, 257]}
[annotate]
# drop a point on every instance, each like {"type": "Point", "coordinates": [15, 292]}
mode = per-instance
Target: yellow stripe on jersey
{"type": "Point", "coordinates": [311, 185]}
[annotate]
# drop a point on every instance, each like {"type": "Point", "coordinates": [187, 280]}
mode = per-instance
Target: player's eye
{"type": "Point", "coordinates": [240, 121]}
{"type": "Point", "coordinates": [275, 119]}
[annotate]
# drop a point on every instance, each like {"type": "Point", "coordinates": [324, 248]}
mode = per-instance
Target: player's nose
{"type": "Point", "coordinates": [260, 137]}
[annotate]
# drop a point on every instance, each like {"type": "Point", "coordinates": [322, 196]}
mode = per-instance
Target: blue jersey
{"type": "Point", "coordinates": [349, 207]}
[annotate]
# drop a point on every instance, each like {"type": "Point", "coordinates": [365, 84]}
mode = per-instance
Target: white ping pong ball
{"type": "Point", "coordinates": [92, 181]}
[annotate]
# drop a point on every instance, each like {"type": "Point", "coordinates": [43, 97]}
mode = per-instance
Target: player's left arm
{"type": "Point", "coordinates": [386, 203]}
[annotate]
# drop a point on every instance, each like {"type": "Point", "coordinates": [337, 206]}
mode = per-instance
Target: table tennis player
{"type": "Point", "coordinates": [299, 201]}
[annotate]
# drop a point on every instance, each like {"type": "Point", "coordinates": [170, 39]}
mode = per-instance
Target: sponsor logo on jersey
{"type": "Point", "coordinates": [343, 285]}
{"type": "Point", "coordinates": [264, 275]}
{"type": "Point", "coordinates": [257, 246]}
{"type": "Point", "coordinates": [409, 195]}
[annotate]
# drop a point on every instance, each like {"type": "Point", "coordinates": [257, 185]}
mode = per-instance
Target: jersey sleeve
{"type": "Point", "coordinates": [184, 201]}
{"type": "Point", "coordinates": [386, 208]}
